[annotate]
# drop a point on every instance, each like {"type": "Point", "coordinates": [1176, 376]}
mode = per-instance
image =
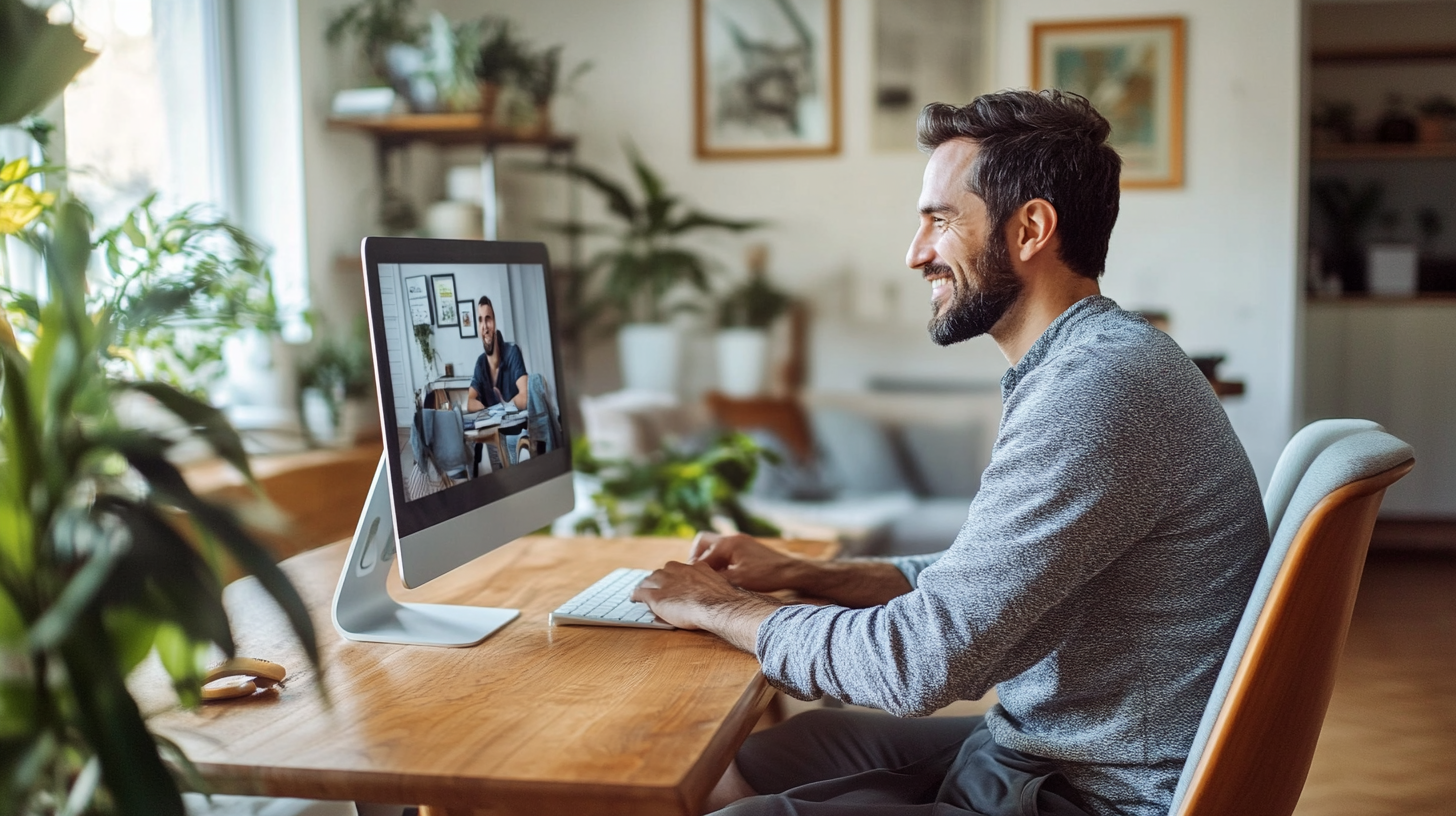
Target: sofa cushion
{"type": "Point", "coordinates": [944, 461]}
{"type": "Point", "coordinates": [858, 455]}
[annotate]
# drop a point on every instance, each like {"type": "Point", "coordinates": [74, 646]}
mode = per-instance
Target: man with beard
{"type": "Point", "coordinates": [500, 371]}
{"type": "Point", "coordinates": [1103, 566]}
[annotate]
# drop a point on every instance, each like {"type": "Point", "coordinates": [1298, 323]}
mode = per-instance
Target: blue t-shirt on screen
{"type": "Point", "coordinates": [512, 369]}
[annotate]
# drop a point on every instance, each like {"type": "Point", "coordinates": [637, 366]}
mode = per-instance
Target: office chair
{"type": "Point", "coordinates": [1311, 440]}
{"type": "Point", "coordinates": [1254, 745]}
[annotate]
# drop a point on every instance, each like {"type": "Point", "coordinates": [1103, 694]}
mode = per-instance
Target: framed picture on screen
{"type": "Point", "coordinates": [467, 318]}
{"type": "Point", "coordinates": [447, 311]}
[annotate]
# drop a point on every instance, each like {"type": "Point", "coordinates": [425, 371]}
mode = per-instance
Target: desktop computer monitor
{"type": "Point", "coordinates": [476, 446]}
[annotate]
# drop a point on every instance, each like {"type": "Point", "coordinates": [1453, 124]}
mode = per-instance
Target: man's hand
{"type": "Point", "coordinates": [752, 565]}
{"type": "Point", "coordinates": [748, 563]}
{"type": "Point", "coordinates": [693, 596]}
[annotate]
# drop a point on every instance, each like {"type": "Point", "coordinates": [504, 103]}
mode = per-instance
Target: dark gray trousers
{"type": "Point", "coordinates": [847, 762]}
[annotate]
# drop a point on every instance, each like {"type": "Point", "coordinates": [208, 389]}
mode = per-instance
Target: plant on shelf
{"type": "Point", "coordinates": [498, 63]}
{"type": "Point", "coordinates": [337, 372]}
{"type": "Point", "coordinates": [96, 571]}
{"type": "Point", "coordinates": [1347, 213]}
{"type": "Point", "coordinates": [745, 314]}
{"type": "Point", "coordinates": [541, 79]}
{"type": "Point", "coordinates": [179, 285]}
{"type": "Point", "coordinates": [649, 265]}
{"type": "Point", "coordinates": [676, 492]}
{"type": "Point", "coordinates": [377, 25]}
{"type": "Point", "coordinates": [1437, 121]}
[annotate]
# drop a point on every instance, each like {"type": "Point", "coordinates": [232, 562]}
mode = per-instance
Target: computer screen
{"type": "Point", "coordinates": [469, 380]}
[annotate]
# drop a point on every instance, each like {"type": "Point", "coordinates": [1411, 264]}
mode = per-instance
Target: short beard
{"type": "Point", "coordinates": [973, 313]}
{"type": "Point", "coordinates": [489, 343]}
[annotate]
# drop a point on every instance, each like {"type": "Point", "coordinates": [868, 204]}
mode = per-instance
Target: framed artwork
{"type": "Point", "coordinates": [926, 51]}
{"type": "Point", "coordinates": [1132, 71]}
{"type": "Point", "coordinates": [420, 312]}
{"type": "Point", "coordinates": [447, 312]}
{"type": "Point", "coordinates": [767, 78]}
{"type": "Point", "coordinates": [466, 308]}
{"type": "Point", "coordinates": [416, 287]}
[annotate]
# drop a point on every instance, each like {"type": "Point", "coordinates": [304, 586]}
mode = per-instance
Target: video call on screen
{"type": "Point", "coordinates": [473, 384]}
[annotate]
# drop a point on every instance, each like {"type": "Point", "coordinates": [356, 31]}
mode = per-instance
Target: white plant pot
{"type": "Point", "coordinates": [317, 418]}
{"type": "Point", "coordinates": [742, 361]}
{"type": "Point", "coordinates": [651, 355]}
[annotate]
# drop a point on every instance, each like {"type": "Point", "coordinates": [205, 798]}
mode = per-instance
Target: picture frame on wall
{"type": "Point", "coordinates": [1132, 70]}
{"type": "Point", "coordinates": [447, 312]}
{"type": "Point", "coordinates": [420, 312]}
{"type": "Point", "coordinates": [767, 78]}
{"type": "Point", "coordinates": [927, 51]}
{"type": "Point", "coordinates": [466, 308]}
{"type": "Point", "coordinates": [416, 286]}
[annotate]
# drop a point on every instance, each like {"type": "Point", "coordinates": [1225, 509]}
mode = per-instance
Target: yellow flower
{"type": "Point", "coordinates": [20, 205]}
{"type": "Point", "coordinates": [15, 171]}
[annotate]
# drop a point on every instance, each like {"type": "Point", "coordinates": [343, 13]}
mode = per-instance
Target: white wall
{"type": "Point", "coordinates": [1219, 254]}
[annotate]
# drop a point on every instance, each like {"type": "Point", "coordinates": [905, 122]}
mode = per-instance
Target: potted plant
{"type": "Point", "coordinates": [649, 265]}
{"type": "Point", "coordinates": [540, 78]}
{"type": "Point", "coordinates": [425, 337]}
{"type": "Point", "coordinates": [498, 63]}
{"type": "Point", "coordinates": [378, 25]}
{"type": "Point", "coordinates": [677, 492]}
{"type": "Point", "coordinates": [95, 569]}
{"type": "Point", "coordinates": [745, 315]}
{"type": "Point", "coordinates": [333, 385]}
{"type": "Point", "coordinates": [1347, 212]}
{"type": "Point", "coordinates": [1437, 122]}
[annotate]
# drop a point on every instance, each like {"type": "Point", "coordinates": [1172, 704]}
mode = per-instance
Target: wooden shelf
{"type": "Point", "coordinates": [1420, 299]}
{"type": "Point", "coordinates": [446, 129]}
{"type": "Point", "coordinates": [1375, 151]}
{"type": "Point", "coordinates": [1389, 53]}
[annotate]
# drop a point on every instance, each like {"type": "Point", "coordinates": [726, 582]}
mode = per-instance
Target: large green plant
{"type": "Point", "coordinates": [95, 571]}
{"type": "Point", "coordinates": [676, 492]}
{"type": "Point", "coordinates": [649, 262]}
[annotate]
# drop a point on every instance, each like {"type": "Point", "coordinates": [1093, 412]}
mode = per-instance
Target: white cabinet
{"type": "Point", "coordinates": [1394, 362]}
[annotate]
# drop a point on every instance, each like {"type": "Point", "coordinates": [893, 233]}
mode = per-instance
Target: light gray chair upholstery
{"type": "Point", "coordinates": [1348, 454]}
{"type": "Point", "coordinates": [447, 443]}
{"type": "Point", "coordinates": [1301, 451]}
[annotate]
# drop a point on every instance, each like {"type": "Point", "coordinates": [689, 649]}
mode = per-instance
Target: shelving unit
{"type": "Point", "coordinates": [454, 129]}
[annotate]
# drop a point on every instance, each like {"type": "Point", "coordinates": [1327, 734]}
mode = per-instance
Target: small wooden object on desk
{"type": "Point", "coordinates": [535, 720]}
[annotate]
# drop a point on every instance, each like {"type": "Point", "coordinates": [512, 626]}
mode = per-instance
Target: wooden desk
{"type": "Point", "coordinates": [537, 719]}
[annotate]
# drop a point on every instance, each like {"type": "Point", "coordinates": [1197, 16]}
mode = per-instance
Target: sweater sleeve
{"type": "Point", "coordinates": [1074, 481]}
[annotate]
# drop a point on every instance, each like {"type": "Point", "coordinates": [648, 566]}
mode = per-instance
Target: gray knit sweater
{"type": "Point", "coordinates": [1096, 583]}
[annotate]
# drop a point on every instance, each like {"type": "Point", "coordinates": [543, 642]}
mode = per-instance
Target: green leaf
{"type": "Point", "coordinates": [184, 659]}
{"type": "Point", "coordinates": [617, 198]}
{"type": "Point", "coordinates": [56, 624]}
{"type": "Point", "coordinates": [168, 484]}
{"type": "Point", "coordinates": [22, 764]}
{"type": "Point", "coordinates": [693, 219]}
{"type": "Point", "coordinates": [37, 59]}
{"type": "Point", "coordinates": [109, 720]}
{"type": "Point", "coordinates": [208, 421]}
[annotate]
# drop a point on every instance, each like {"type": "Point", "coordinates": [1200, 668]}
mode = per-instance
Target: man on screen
{"type": "Point", "coordinates": [500, 371]}
{"type": "Point", "coordinates": [1102, 568]}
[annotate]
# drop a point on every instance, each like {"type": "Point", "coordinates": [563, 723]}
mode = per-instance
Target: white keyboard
{"type": "Point", "coordinates": [607, 603]}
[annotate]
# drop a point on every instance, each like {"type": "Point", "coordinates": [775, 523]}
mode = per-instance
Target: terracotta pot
{"type": "Point", "coordinates": [489, 95]}
{"type": "Point", "coordinates": [1432, 129]}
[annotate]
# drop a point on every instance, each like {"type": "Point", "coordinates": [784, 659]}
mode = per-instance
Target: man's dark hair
{"type": "Point", "coordinates": [485, 301]}
{"type": "Point", "coordinates": [1050, 145]}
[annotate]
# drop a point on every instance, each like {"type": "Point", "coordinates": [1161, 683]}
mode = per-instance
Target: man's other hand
{"type": "Point", "coordinates": [747, 562]}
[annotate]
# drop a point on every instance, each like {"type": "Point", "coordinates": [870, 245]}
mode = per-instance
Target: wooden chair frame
{"type": "Point", "coordinates": [1260, 749]}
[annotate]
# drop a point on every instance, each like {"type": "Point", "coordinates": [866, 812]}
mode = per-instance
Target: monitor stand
{"type": "Point", "coordinates": [363, 609]}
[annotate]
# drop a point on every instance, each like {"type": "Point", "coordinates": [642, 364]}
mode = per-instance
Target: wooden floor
{"type": "Point", "coordinates": [1389, 739]}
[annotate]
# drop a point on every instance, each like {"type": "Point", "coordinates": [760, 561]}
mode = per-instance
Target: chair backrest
{"type": "Point", "coordinates": [1301, 451]}
{"type": "Point", "coordinates": [1258, 733]}
{"type": "Point", "coordinates": [541, 422]}
{"type": "Point", "coordinates": [447, 442]}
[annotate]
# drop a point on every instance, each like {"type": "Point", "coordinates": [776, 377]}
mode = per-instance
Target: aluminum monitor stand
{"type": "Point", "coordinates": [363, 609]}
